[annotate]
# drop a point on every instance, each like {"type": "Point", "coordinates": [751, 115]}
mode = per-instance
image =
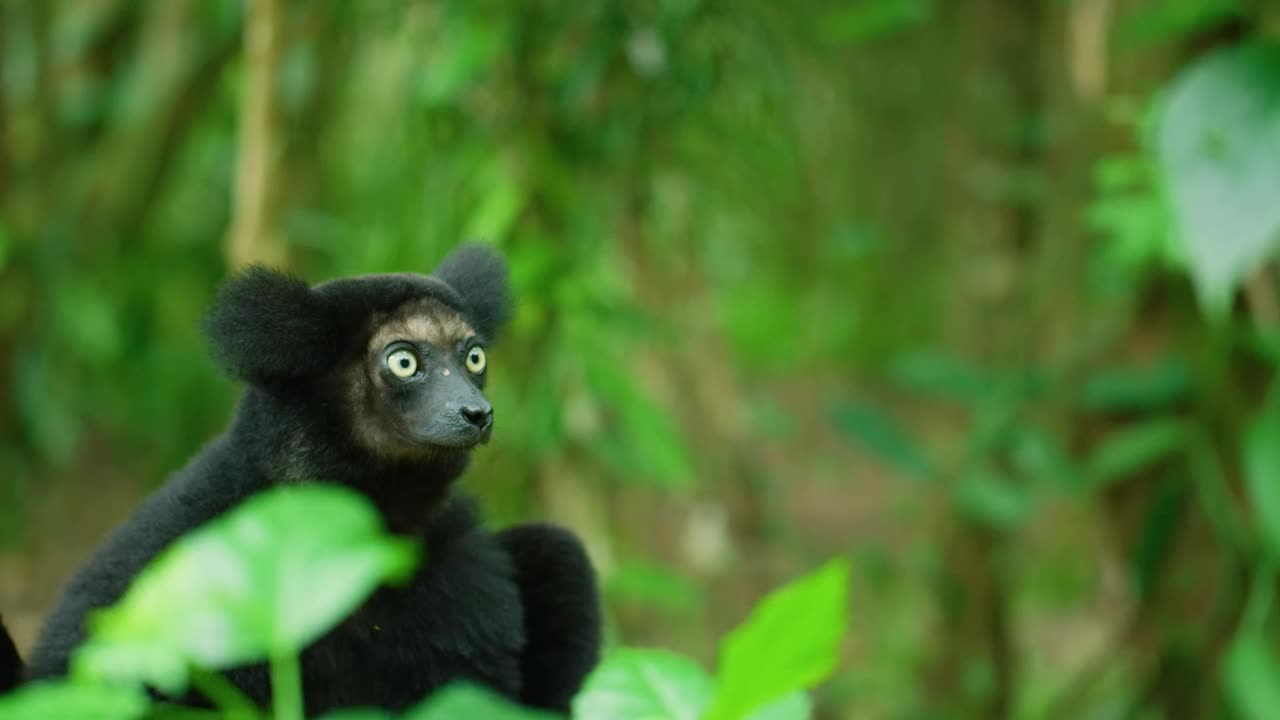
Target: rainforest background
{"type": "Point", "coordinates": [977, 294]}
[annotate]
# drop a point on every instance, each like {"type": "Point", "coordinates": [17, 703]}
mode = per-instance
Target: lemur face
{"type": "Point", "coordinates": [417, 387]}
{"type": "Point", "coordinates": [396, 359]}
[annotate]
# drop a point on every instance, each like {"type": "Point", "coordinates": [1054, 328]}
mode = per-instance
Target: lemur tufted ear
{"type": "Point", "coordinates": [479, 275]}
{"type": "Point", "coordinates": [266, 325]}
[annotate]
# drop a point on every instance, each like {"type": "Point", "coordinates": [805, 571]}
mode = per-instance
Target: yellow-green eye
{"type": "Point", "coordinates": [402, 364]}
{"type": "Point", "coordinates": [476, 360]}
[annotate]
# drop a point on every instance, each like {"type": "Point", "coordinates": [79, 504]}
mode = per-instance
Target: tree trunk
{"type": "Point", "coordinates": [990, 229]}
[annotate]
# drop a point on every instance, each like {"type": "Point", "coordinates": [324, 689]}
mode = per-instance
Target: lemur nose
{"type": "Point", "coordinates": [478, 416]}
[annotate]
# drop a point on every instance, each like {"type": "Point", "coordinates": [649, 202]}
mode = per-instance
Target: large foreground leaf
{"type": "Point", "coordinates": [790, 642]}
{"type": "Point", "coordinates": [266, 579]}
{"type": "Point", "coordinates": [637, 684]}
{"type": "Point", "coordinates": [640, 684]}
{"type": "Point", "coordinates": [67, 701]}
{"type": "Point", "coordinates": [468, 702]}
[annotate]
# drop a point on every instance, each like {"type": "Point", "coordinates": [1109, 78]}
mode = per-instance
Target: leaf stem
{"type": "Point", "coordinates": [167, 711]}
{"type": "Point", "coordinates": [228, 698]}
{"type": "Point", "coordinates": [286, 686]}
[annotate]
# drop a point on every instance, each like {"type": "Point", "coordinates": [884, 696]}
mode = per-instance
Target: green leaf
{"type": "Point", "coordinates": [796, 706]}
{"type": "Point", "coordinates": [1128, 451]}
{"type": "Point", "coordinates": [1262, 472]}
{"type": "Point", "coordinates": [60, 700]}
{"type": "Point", "coordinates": [1039, 456]}
{"type": "Point", "coordinates": [1252, 677]}
{"type": "Point", "coordinates": [635, 684]}
{"type": "Point", "coordinates": [266, 579]}
{"type": "Point", "coordinates": [357, 714]}
{"type": "Point", "coordinates": [992, 500]}
{"type": "Point", "coordinates": [1137, 230]}
{"type": "Point", "coordinates": [942, 376]}
{"type": "Point", "coordinates": [1218, 138]}
{"type": "Point", "coordinates": [1138, 389]}
{"type": "Point", "coordinates": [790, 642]}
{"type": "Point", "coordinates": [880, 434]}
{"type": "Point", "coordinates": [462, 700]}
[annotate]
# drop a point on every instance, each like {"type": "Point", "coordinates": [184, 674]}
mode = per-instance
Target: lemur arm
{"type": "Point", "coordinates": [561, 611]}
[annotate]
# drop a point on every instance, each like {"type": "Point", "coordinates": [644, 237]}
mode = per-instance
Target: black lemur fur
{"type": "Point", "coordinates": [373, 382]}
{"type": "Point", "coordinates": [10, 662]}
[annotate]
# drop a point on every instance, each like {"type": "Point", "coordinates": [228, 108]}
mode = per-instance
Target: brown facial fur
{"type": "Point", "coordinates": [425, 320]}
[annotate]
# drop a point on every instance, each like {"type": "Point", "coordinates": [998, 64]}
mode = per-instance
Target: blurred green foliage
{"type": "Point", "coordinates": [336, 554]}
{"type": "Point", "coordinates": [771, 260]}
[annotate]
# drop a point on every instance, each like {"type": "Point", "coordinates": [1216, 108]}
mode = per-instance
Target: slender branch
{"type": "Point", "coordinates": [254, 235]}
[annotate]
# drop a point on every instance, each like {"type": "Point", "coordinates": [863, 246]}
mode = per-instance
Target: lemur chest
{"type": "Point", "coordinates": [459, 618]}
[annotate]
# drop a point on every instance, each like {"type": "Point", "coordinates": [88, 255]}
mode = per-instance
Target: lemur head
{"type": "Point", "coordinates": [401, 357]}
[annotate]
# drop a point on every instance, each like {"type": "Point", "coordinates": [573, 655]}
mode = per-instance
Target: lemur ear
{"type": "Point", "coordinates": [479, 275]}
{"type": "Point", "coordinates": [266, 325]}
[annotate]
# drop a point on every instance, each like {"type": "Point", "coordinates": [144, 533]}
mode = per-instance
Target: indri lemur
{"type": "Point", "coordinates": [374, 382]}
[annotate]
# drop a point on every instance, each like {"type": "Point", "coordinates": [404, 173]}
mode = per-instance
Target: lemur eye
{"type": "Point", "coordinates": [402, 364]}
{"type": "Point", "coordinates": [475, 360]}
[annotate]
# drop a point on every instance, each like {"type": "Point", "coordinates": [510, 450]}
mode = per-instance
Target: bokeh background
{"type": "Point", "coordinates": [916, 282]}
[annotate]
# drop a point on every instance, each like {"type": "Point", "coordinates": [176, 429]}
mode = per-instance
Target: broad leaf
{"type": "Point", "coordinates": [1217, 142]}
{"type": "Point", "coordinates": [267, 578]}
{"type": "Point", "coordinates": [1138, 389]}
{"type": "Point", "coordinates": [633, 684]}
{"type": "Point", "coordinates": [468, 702]}
{"type": "Point", "coordinates": [69, 701]}
{"type": "Point", "coordinates": [942, 376]}
{"type": "Point", "coordinates": [790, 642]}
{"type": "Point", "coordinates": [796, 706]}
{"type": "Point", "coordinates": [1038, 457]}
{"type": "Point", "coordinates": [993, 500]}
{"type": "Point", "coordinates": [357, 714]}
{"type": "Point", "coordinates": [1128, 451]}
{"type": "Point", "coordinates": [879, 433]}
{"type": "Point", "coordinates": [1252, 678]}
